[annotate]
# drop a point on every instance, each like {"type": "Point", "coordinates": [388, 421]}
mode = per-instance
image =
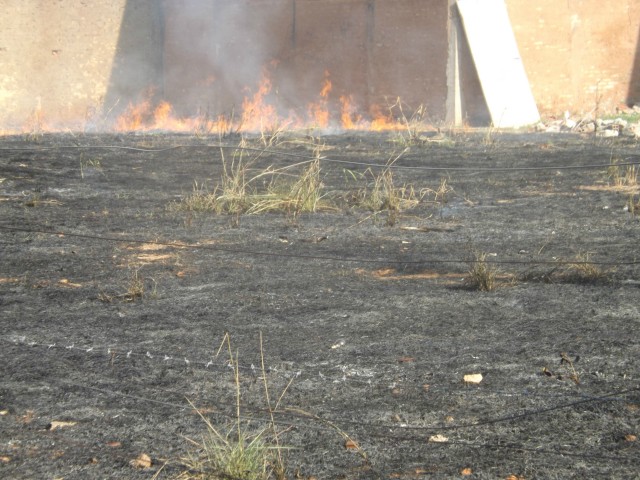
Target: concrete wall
{"type": "Point", "coordinates": [579, 53]}
{"type": "Point", "coordinates": [217, 51]}
{"type": "Point", "coordinates": [60, 60]}
{"type": "Point", "coordinates": [75, 62]}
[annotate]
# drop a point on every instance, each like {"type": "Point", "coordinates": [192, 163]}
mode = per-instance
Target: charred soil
{"type": "Point", "coordinates": [115, 299]}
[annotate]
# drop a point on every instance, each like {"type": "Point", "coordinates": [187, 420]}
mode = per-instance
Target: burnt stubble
{"type": "Point", "coordinates": [371, 319]}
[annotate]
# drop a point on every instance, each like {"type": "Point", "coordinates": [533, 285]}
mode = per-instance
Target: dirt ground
{"type": "Point", "coordinates": [114, 305]}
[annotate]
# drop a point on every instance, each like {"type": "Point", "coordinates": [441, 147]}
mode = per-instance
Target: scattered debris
{"type": "Point", "coordinates": [143, 461]}
{"type": "Point", "coordinates": [56, 425]}
{"type": "Point", "coordinates": [564, 359]}
{"type": "Point", "coordinates": [66, 282]}
{"type": "Point", "coordinates": [351, 445]}
{"type": "Point", "coordinates": [416, 472]}
{"type": "Point", "coordinates": [610, 127]}
{"type": "Point", "coordinates": [406, 359]}
{"type": "Point", "coordinates": [473, 378]}
{"type": "Point", "coordinates": [438, 439]}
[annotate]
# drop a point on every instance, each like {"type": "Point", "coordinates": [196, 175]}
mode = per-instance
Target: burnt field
{"type": "Point", "coordinates": [139, 273]}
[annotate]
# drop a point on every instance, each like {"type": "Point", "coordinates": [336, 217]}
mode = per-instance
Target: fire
{"type": "Point", "coordinates": [135, 117]}
{"type": "Point", "coordinates": [162, 114]}
{"type": "Point", "coordinates": [382, 122]}
{"type": "Point", "coordinates": [259, 113]}
{"type": "Point", "coordinates": [350, 119]}
{"type": "Point", "coordinates": [144, 117]}
{"type": "Point", "coordinates": [318, 112]}
{"type": "Point", "coordinates": [326, 89]}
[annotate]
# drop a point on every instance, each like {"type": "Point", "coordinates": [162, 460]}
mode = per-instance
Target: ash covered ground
{"type": "Point", "coordinates": [114, 305]}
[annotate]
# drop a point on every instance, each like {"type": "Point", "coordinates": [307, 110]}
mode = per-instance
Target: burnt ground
{"type": "Point", "coordinates": [372, 319]}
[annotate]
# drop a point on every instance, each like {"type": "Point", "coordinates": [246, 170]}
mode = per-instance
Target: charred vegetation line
{"type": "Point", "coordinates": [301, 415]}
{"type": "Point", "coordinates": [175, 360]}
{"type": "Point", "coordinates": [522, 448]}
{"type": "Point", "coordinates": [370, 428]}
{"type": "Point", "coordinates": [508, 418]}
{"type": "Point", "coordinates": [258, 253]}
{"type": "Point", "coordinates": [116, 352]}
{"type": "Point", "coordinates": [183, 407]}
{"type": "Point", "coordinates": [289, 413]}
{"type": "Point", "coordinates": [329, 159]}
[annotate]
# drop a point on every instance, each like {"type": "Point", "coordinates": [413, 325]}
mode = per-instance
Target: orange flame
{"type": "Point", "coordinates": [318, 112]}
{"type": "Point", "coordinates": [382, 122]}
{"type": "Point", "coordinates": [162, 115]}
{"type": "Point", "coordinates": [258, 114]}
{"type": "Point", "coordinates": [350, 119]}
{"type": "Point", "coordinates": [135, 117]}
{"type": "Point", "coordinates": [326, 88]}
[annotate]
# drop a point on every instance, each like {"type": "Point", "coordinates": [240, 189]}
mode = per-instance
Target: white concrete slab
{"type": "Point", "coordinates": [497, 59]}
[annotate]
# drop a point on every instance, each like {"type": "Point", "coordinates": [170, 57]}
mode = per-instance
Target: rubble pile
{"type": "Point", "coordinates": [627, 123]}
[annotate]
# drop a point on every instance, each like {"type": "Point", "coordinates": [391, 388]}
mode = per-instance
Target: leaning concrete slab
{"type": "Point", "coordinates": [497, 60]}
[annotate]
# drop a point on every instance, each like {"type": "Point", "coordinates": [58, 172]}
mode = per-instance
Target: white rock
{"type": "Point", "coordinates": [608, 133]}
{"type": "Point", "coordinates": [588, 127]}
{"type": "Point", "coordinates": [473, 378]}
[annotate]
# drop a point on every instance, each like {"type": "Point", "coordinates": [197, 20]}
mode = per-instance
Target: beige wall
{"type": "Point", "coordinates": [579, 53]}
{"type": "Point", "coordinates": [74, 59]}
{"type": "Point", "coordinates": [58, 57]}
{"type": "Point", "coordinates": [373, 50]}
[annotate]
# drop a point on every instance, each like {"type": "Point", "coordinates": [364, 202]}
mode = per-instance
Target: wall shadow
{"type": "Point", "coordinates": [633, 95]}
{"type": "Point", "coordinates": [137, 66]}
{"type": "Point", "coordinates": [475, 111]}
{"type": "Point", "coordinates": [209, 55]}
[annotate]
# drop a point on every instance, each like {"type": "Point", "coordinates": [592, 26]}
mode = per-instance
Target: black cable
{"type": "Point", "coordinates": [313, 257]}
{"type": "Point", "coordinates": [328, 159]}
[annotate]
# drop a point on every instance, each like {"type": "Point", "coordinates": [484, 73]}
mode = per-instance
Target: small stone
{"type": "Point", "coordinates": [608, 133]}
{"type": "Point", "coordinates": [473, 378]}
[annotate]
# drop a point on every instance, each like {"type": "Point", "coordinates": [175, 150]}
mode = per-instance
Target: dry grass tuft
{"type": "Point", "coordinates": [234, 454]}
{"type": "Point", "coordinates": [482, 274]}
{"type": "Point", "coordinates": [135, 289]}
{"type": "Point", "coordinates": [382, 193]}
{"type": "Point", "coordinates": [238, 452]}
{"type": "Point", "coordinates": [584, 270]}
{"type": "Point", "coordinates": [293, 194]}
{"type": "Point", "coordinates": [622, 175]}
{"type": "Point", "coordinates": [243, 191]}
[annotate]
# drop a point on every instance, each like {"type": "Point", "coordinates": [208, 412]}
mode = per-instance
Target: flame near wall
{"type": "Point", "coordinates": [251, 65]}
{"type": "Point", "coordinates": [246, 65]}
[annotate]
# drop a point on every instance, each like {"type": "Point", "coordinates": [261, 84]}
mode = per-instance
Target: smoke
{"type": "Point", "coordinates": [216, 54]}
{"type": "Point", "coordinates": [209, 57]}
